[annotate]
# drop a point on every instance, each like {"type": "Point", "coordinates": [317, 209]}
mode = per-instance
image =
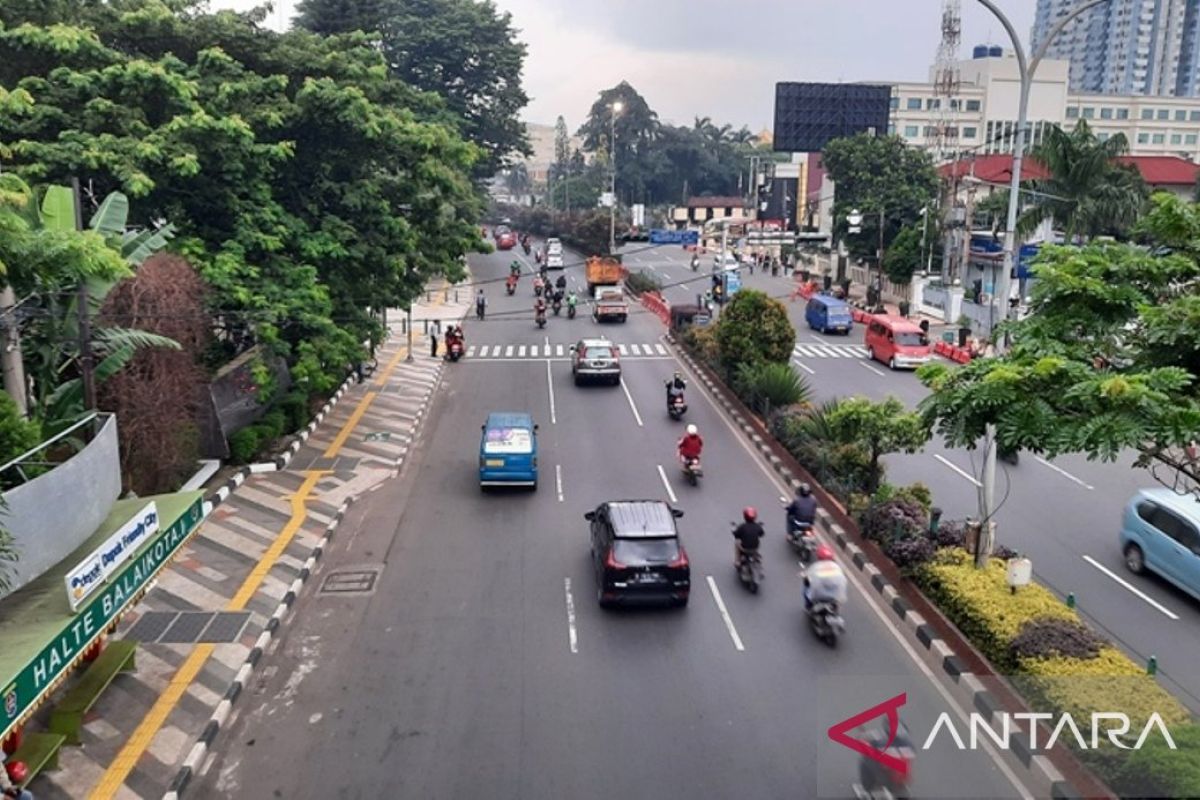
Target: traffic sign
{"type": "Point", "coordinates": [664, 236]}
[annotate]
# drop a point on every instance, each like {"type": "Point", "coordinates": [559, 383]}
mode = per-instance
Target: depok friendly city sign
{"type": "Point", "coordinates": [79, 632]}
{"type": "Point", "coordinates": [87, 576]}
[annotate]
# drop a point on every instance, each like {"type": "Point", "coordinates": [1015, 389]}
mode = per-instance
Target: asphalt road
{"type": "Point", "coordinates": [1064, 514]}
{"type": "Point", "coordinates": [481, 665]}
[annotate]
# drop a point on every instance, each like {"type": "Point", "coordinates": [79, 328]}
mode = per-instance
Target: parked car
{"type": "Point", "coordinates": [824, 313]}
{"type": "Point", "coordinates": [1160, 532]}
{"type": "Point", "coordinates": [595, 360]}
{"type": "Point", "coordinates": [897, 342]}
{"type": "Point", "coordinates": [508, 451]}
{"type": "Point", "coordinates": [637, 555]}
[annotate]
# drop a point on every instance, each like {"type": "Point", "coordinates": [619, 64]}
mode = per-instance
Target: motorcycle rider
{"type": "Point", "coordinates": [480, 304]}
{"type": "Point", "coordinates": [695, 262]}
{"type": "Point", "coordinates": [538, 285]}
{"type": "Point", "coordinates": [803, 509]}
{"type": "Point", "coordinates": [561, 283]}
{"type": "Point", "coordinates": [572, 301]}
{"type": "Point", "coordinates": [675, 387]}
{"type": "Point", "coordinates": [691, 445]}
{"type": "Point", "coordinates": [514, 268]}
{"type": "Point", "coordinates": [539, 308]}
{"type": "Point", "coordinates": [747, 536]}
{"type": "Point", "coordinates": [824, 581]}
{"type": "Point", "coordinates": [511, 283]}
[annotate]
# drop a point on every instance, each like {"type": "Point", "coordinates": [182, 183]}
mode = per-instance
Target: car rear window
{"type": "Point", "coordinates": [508, 440]}
{"type": "Point", "coordinates": [640, 552]}
{"type": "Point", "coordinates": [596, 351]}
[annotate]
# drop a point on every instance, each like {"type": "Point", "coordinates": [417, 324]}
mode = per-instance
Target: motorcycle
{"type": "Point", "coordinates": [525, 246]}
{"type": "Point", "coordinates": [556, 305]}
{"type": "Point", "coordinates": [695, 264]}
{"type": "Point", "coordinates": [750, 571]}
{"type": "Point", "coordinates": [676, 406]}
{"type": "Point", "coordinates": [454, 350]}
{"type": "Point", "coordinates": [691, 470]}
{"type": "Point", "coordinates": [540, 319]}
{"type": "Point", "coordinates": [510, 288]}
{"type": "Point", "coordinates": [537, 288]}
{"type": "Point", "coordinates": [826, 623]}
{"type": "Point", "coordinates": [878, 780]}
{"type": "Point", "coordinates": [570, 311]}
{"type": "Point", "coordinates": [800, 535]}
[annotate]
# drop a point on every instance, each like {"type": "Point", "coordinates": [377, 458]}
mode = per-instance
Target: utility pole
{"type": "Point", "coordinates": [612, 186]}
{"type": "Point", "coordinates": [87, 365]}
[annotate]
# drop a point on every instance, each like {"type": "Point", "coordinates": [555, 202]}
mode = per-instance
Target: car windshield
{"type": "Point", "coordinates": [640, 552]}
{"type": "Point", "coordinates": [597, 351]}
{"type": "Point", "coordinates": [910, 339]}
{"type": "Point", "coordinates": [508, 440]}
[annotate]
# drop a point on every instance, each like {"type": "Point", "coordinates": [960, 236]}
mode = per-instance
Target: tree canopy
{"type": "Point", "coordinates": [464, 50]}
{"type": "Point", "coordinates": [1107, 361]}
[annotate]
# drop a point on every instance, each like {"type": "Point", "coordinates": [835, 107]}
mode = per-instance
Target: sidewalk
{"type": "Point", "coordinates": [247, 560]}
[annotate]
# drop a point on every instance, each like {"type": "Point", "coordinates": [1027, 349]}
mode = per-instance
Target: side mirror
{"type": "Point", "coordinates": [677, 513]}
{"type": "Point", "coordinates": [590, 516]}
{"type": "Point", "coordinates": [483, 427]}
{"type": "Point", "coordinates": [535, 428]}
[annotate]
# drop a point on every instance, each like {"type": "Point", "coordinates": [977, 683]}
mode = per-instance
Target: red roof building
{"type": "Point", "coordinates": [1171, 173]}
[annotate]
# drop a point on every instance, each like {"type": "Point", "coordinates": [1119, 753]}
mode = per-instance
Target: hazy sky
{"type": "Point", "coordinates": [720, 58]}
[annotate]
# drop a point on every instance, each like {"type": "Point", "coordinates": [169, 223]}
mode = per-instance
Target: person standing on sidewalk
{"type": "Point", "coordinates": [433, 343]}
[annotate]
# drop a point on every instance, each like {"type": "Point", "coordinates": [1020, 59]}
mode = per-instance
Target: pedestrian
{"type": "Point", "coordinates": [433, 343]}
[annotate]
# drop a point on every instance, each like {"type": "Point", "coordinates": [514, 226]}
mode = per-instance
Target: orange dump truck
{"type": "Point", "coordinates": [603, 271]}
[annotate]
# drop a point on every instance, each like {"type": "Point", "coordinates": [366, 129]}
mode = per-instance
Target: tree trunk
{"type": "Point", "coordinates": [10, 354]}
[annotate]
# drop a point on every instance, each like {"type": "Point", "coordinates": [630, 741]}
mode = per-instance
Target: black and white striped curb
{"type": "Point", "coordinates": [1039, 774]}
{"type": "Point", "coordinates": [195, 759]}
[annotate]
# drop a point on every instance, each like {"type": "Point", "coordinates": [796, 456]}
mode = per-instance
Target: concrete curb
{"type": "Point", "coordinates": [195, 759]}
{"type": "Point", "coordinates": [1040, 775]}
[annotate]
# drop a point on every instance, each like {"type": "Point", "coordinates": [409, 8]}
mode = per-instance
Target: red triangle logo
{"type": "Point", "coordinates": [890, 708]}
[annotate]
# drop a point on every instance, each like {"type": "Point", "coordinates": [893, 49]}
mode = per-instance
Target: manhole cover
{"type": "Point", "coordinates": [351, 580]}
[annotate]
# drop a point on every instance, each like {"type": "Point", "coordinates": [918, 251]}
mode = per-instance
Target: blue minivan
{"type": "Point", "coordinates": [508, 451]}
{"type": "Point", "coordinates": [828, 314]}
{"type": "Point", "coordinates": [1160, 532]}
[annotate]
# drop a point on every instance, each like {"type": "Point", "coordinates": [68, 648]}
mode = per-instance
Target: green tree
{"type": "Point", "coordinates": [754, 328]}
{"type": "Point", "coordinates": [877, 174]}
{"type": "Point", "coordinates": [903, 257]}
{"type": "Point", "coordinates": [1107, 361]}
{"type": "Point", "coordinates": [880, 429]}
{"type": "Point", "coordinates": [561, 169]}
{"type": "Point", "coordinates": [464, 50]}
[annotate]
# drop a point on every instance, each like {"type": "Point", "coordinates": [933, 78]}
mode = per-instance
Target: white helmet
{"type": "Point", "coordinates": [692, 430]}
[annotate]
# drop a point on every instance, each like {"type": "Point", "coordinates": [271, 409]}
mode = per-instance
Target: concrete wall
{"type": "Point", "coordinates": [54, 513]}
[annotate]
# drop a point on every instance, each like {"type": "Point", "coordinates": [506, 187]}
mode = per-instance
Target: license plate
{"type": "Point", "coordinates": [646, 577]}
{"type": "Point", "coordinates": [494, 462]}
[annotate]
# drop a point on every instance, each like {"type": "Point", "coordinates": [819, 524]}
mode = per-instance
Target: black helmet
{"type": "Point", "coordinates": [805, 490]}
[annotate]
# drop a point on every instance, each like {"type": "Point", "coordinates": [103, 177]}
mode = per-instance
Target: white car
{"type": "Point", "coordinates": [724, 262]}
{"type": "Point", "coordinates": [554, 261]}
{"type": "Point", "coordinates": [553, 247]}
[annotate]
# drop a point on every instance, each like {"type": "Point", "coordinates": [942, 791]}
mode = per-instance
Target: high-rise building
{"type": "Point", "coordinates": [1129, 47]}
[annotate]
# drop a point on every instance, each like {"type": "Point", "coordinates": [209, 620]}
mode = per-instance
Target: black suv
{"type": "Point", "coordinates": [636, 553]}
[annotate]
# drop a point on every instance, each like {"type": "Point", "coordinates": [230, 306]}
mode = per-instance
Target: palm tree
{"type": "Point", "coordinates": [1087, 192]}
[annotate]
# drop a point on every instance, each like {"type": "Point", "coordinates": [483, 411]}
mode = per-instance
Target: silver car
{"type": "Point", "coordinates": [595, 360]}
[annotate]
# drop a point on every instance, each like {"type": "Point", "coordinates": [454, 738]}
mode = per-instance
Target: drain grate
{"type": "Point", "coordinates": [356, 580]}
{"type": "Point", "coordinates": [189, 627]}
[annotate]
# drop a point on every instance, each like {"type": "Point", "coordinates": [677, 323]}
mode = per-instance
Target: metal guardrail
{"type": "Point", "coordinates": [25, 458]}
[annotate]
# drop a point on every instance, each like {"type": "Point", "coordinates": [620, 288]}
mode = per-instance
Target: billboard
{"type": "Point", "coordinates": [808, 115]}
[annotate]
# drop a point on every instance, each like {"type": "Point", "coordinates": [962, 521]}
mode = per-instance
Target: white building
{"type": "Point", "coordinates": [984, 114]}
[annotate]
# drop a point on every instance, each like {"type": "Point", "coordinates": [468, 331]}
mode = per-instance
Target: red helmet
{"type": "Point", "coordinates": [824, 553]}
{"type": "Point", "coordinates": [17, 771]}
{"type": "Point", "coordinates": [749, 513]}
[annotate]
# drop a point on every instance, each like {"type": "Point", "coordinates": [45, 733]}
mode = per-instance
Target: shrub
{"type": "Point", "coordinates": [244, 444]}
{"type": "Point", "coordinates": [295, 407]}
{"type": "Point", "coordinates": [896, 518]}
{"type": "Point", "coordinates": [951, 533]}
{"type": "Point", "coordinates": [754, 328]}
{"type": "Point", "coordinates": [909, 552]}
{"type": "Point", "coordinates": [17, 435]}
{"type": "Point", "coordinates": [1158, 771]}
{"type": "Point", "coordinates": [642, 281]}
{"type": "Point", "coordinates": [1055, 637]}
{"type": "Point", "coordinates": [918, 493]}
{"type": "Point", "coordinates": [1003, 552]}
{"type": "Point", "coordinates": [703, 342]}
{"type": "Point", "coordinates": [981, 604]}
{"type": "Point", "coordinates": [273, 425]}
{"type": "Point", "coordinates": [768, 386]}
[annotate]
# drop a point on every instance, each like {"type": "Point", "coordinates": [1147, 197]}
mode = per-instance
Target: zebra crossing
{"type": "Point", "coordinates": [829, 351]}
{"type": "Point", "coordinates": [544, 351]}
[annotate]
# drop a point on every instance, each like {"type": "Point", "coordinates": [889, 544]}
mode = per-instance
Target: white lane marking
{"type": "Point", "coordinates": [662, 351]}
{"type": "Point", "coordinates": [621, 349]}
{"type": "Point", "coordinates": [558, 350]}
{"type": "Point", "coordinates": [1064, 473]}
{"type": "Point", "coordinates": [885, 618]}
{"type": "Point", "coordinates": [804, 367]}
{"type": "Point", "coordinates": [550, 386]}
{"type": "Point", "coordinates": [508, 351]}
{"type": "Point", "coordinates": [533, 351]}
{"type": "Point", "coordinates": [633, 348]}
{"type": "Point", "coordinates": [483, 351]}
{"type": "Point", "coordinates": [802, 350]}
{"type": "Point", "coordinates": [820, 339]}
{"type": "Point", "coordinates": [865, 365]}
{"type": "Point", "coordinates": [733, 634]}
{"type": "Point", "coordinates": [558, 481]}
{"type": "Point", "coordinates": [667, 484]}
{"type": "Point", "coordinates": [571, 636]}
{"type": "Point", "coordinates": [632, 406]}
{"type": "Point", "coordinates": [547, 343]}
{"type": "Point", "coordinates": [521, 351]}
{"type": "Point", "coordinates": [1130, 587]}
{"type": "Point", "coordinates": [955, 467]}
{"type": "Point", "coordinates": [470, 351]}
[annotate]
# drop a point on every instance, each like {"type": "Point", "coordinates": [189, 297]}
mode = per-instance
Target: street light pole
{"type": "Point", "coordinates": [987, 492]}
{"type": "Point", "coordinates": [612, 185]}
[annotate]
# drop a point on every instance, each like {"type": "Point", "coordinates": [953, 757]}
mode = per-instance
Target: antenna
{"type": "Point", "coordinates": [947, 79]}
